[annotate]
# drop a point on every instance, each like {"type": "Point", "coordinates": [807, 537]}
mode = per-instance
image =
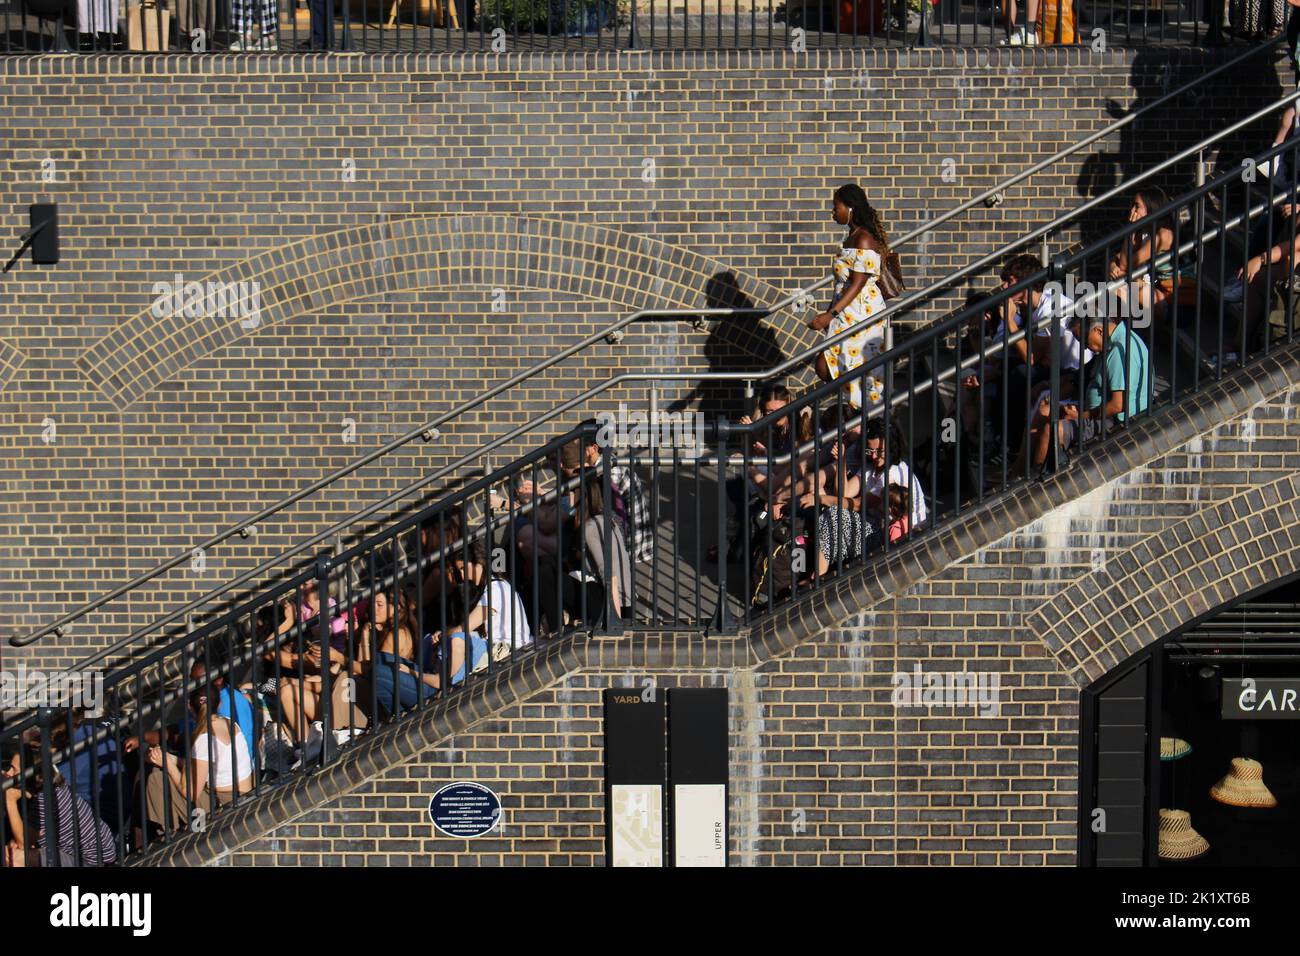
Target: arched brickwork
{"type": "Point", "coordinates": [633, 271]}
{"type": "Point", "coordinates": [1172, 579]}
{"type": "Point", "coordinates": [11, 360]}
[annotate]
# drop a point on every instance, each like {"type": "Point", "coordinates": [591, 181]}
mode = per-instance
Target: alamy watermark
{"type": "Point", "coordinates": [1098, 300]}
{"type": "Point", "coordinates": [226, 300]}
{"type": "Point", "coordinates": [23, 689]}
{"type": "Point", "coordinates": [626, 429]}
{"type": "Point", "coordinates": [78, 909]}
{"type": "Point", "coordinates": [920, 688]}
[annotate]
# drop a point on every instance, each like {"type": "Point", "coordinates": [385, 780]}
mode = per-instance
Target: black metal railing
{"type": "Point", "coordinates": [658, 520]}
{"type": "Point", "coordinates": [245, 528]}
{"type": "Point", "coordinates": [199, 26]}
{"type": "Point", "coordinates": [1000, 426]}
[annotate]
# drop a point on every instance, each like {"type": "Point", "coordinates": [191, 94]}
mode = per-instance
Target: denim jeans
{"type": "Point", "coordinates": [410, 689]}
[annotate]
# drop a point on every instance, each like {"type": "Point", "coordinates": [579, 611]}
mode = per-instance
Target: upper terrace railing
{"type": "Point", "coordinates": [535, 551]}
{"type": "Point", "coordinates": [520, 25]}
{"type": "Point", "coordinates": [245, 528]}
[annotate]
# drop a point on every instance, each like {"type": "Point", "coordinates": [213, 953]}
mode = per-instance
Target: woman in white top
{"type": "Point", "coordinates": [857, 299]}
{"type": "Point", "coordinates": [498, 610]}
{"type": "Point", "coordinates": [839, 482]}
{"type": "Point", "coordinates": [852, 501]}
{"type": "Point", "coordinates": [220, 756]}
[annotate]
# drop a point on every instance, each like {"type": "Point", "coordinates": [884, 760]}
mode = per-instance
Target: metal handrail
{"type": "Point", "coordinates": [614, 381]}
{"type": "Point", "coordinates": [900, 304]}
{"type": "Point", "coordinates": [429, 430]}
{"type": "Point", "coordinates": [165, 669]}
{"type": "Point", "coordinates": [487, 482]}
{"type": "Point", "coordinates": [954, 321]}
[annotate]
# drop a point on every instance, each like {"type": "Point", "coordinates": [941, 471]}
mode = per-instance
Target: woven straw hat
{"type": "Point", "coordinates": [1177, 840]}
{"type": "Point", "coordinates": [1244, 785]}
{"type": "Point", "coordinates": [1171, 748]}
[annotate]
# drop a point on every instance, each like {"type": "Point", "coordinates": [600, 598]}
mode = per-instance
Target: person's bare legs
{"type": "Point", "coordinates": [297, 720]}
{"type": "Point", "coordinates": [310, 707]}
{"type": "Point", "coordinates": [343, 701]}
{"type": "Point", "coordinates": [288, 695]}
{"type": "Point", "coordinates": [1141, 295]}
{"type": "Point", "coordinates": [1037, 439]}
{"type": "Point", "coordinates": [1044, 438]}
{"type": "Point", "coordinates": [1042, 412]}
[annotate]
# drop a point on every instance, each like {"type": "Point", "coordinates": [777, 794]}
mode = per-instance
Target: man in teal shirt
{"type": "Point", "coordinates": [1122, 386]}
{"type": "Point", "coordinates": [1117, 384]}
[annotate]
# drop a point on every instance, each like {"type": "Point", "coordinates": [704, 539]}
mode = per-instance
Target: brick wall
{"type": "Point", "coordinates": [1047, 590]}
{"type": "Point", "coordinates": [125, 439]}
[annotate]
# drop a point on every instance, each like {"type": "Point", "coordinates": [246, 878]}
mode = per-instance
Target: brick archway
{"type": "Point", "coordinates": [630, 270]}
{"type": "Point", "coordinates": [1195, 567]}
{"type": "Point", "coordinates": [11, 360]}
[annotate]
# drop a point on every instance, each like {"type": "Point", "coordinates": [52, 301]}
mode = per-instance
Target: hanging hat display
{"type": "Point", "coordinates": [1177, 839]}
{"type": "Point", "coordinates": [1172, 748]}
{"type": "Point", "coordinates": [1244, 785]}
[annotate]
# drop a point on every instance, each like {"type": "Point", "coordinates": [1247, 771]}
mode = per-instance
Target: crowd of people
{"type": "Point", "coordinates": [1032, 390]}
{"type": "Point", "coordinates": [311, 670]}
{"type": "Point", "coordinates": [815, 486]}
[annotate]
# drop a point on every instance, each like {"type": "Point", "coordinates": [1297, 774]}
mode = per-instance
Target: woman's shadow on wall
{"type": "Point", "coordinates": [1173, 127]}
{"type": "Point", "coordinates": [734, 344]}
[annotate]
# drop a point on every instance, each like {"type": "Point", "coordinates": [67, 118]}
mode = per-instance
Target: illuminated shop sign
{"type": "Point", "coordinates": [1261, 698]}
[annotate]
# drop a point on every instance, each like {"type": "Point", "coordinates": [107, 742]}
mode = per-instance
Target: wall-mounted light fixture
{"type": "Point", "coordinates": [42, 236]}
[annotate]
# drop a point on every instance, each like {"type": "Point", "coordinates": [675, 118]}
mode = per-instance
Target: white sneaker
{"type": "Point", "coordinates": [1031, 38]}
{"type": "Point", "coordinates": [248, 44]}
{"type": "Point", "coordinates": [1016, 39]}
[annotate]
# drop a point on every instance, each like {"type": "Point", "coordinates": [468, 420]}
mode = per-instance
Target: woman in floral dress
{"type": "Point", "coordinates": [857, 296]}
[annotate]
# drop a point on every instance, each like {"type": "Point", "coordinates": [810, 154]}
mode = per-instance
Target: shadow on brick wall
{"type": "Point", "coordinates": [733, 345]}
{"type": "Point", "coordinates": [1178, 125]}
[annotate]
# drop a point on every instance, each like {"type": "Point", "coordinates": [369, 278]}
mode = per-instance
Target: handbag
{"type": "Point", "coordinates": [891, 276]}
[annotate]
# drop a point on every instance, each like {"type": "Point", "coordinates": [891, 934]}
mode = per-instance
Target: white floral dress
{"type": "Point", "coordinates": [869, 341]}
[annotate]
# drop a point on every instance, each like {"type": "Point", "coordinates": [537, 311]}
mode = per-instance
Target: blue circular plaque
{"type": "Point", "coordinates": [465, 810]}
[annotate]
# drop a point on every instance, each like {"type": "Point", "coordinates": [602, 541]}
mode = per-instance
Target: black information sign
{"type": "Point", "coordinates": [465, 809]}
{"type": "Point", "coordinates": [634, 776]}
{"type": "Point", "coordinates": [698, 751]}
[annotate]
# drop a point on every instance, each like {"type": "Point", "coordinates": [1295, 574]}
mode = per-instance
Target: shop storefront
{"type": "Point", "coordinates": [1190, 750]}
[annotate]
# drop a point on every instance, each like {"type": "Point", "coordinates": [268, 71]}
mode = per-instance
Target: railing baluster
{"type": "Point", "coordinates": [722, 435]}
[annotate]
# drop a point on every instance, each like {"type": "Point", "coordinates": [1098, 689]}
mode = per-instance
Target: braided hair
{"type": "Point", "coordinates": [862, 214]}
